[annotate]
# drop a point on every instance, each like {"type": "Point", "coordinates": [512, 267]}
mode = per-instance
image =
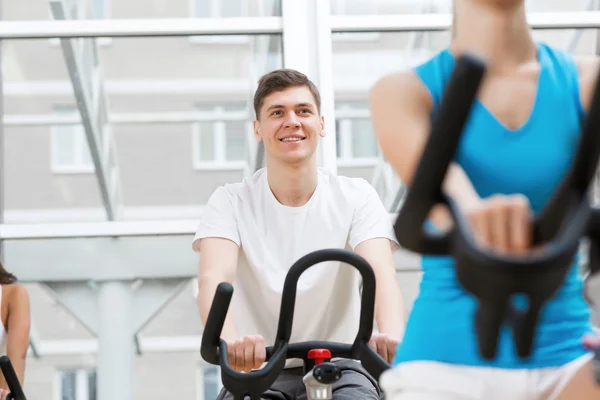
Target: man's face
{"type": "Point", "coordinates": [289, 125]}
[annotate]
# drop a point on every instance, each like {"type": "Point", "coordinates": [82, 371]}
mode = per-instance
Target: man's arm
{"type": "Point", "coordinates": [389, 303]}
{"type": "Point", "coordinates": [218, 263]}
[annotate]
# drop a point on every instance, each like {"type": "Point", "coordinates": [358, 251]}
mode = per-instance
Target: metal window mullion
{"type": "Point", "coordinates": [81, 385]}
{"type": "Point", "coordinates": [266, 25]}
{"type": "Point", "coordinates": [159, 27]}
{"type": "Point", "coordinates": [81, 88]}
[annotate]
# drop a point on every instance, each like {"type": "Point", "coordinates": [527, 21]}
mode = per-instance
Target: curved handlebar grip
{"type": "Point", "coordinates": [214, 350]}
{"type": "Point", "coordinates": [10, 376]}
{"type": "Point", "coordinates": [286, 314]}
{"type": "Point", "coordinates": [211, 337]}
{"type": "Point", "coordinates": [439, 151]}
{"type": "Point", "coordinates": [372, 362]}
{"type": "Point", "coordinates": [574, 187]}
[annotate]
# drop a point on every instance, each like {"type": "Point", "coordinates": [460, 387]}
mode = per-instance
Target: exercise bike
{"type": "Point", "coordinates": [10, 376]}
{"type": "Point", "coordinates": [320, 372]}
{"type": "Point", "coordinates": [491, 278]}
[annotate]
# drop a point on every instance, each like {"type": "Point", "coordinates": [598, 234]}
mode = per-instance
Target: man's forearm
{"type": "Point", "coordinates": [206, 293]}
{"type": "Point", "coordinates": [389, 308]}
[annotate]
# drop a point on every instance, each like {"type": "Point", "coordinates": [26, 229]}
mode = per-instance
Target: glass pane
{"type": "Point", "coordinates": [68, 385]}
{"type": "Point", "coordinates": [232, 8]}
{"type": "Point", "coordinates": [160, 92]}
{"type": "Point", "coordinates": [353, 7]}
{"type": "Point", "coordinates": [236, 140]}
{"type": "Point", "coordinates": [64, 145]}
{"type": "Point", "coordinates": [114, 9]}
{"type": "Point", "coordinates": [364, 144]}
{"type": "Point", "coordinates": [206, 141]}
{"type": "Point", "coordinates": [44, 145]}
{"type": "Point", "coordinates": [203, 8]}
{"type": "Point", "coordinates": [92, 385]}
{"type": "Point", "coordinates": [211, 382]}
{"type": "Point", "coordinates": [100, 8]}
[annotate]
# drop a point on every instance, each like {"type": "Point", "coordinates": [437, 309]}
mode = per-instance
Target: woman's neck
{"type": "Point", "coordinates": [500, 36]}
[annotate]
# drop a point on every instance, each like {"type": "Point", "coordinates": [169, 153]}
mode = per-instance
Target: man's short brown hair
{"type": "Point", "coordinates": [279, 80]}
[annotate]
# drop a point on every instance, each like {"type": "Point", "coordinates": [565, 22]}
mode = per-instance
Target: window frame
{"type": "Point", "coordinates": [345, 157]}
{"type": "Point", "coordinates": [81, 382]}
{"type": "Point", "coordinates": [220, 163]}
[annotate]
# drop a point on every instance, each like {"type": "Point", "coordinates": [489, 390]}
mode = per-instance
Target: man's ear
{"type": "Point", "coordinates": [322, 126]}
{"type": "Point", "coordinates": [257, 130]}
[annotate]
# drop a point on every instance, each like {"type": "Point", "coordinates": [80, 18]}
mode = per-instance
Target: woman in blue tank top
{"type": "Point", "coordinates": [516, 148]}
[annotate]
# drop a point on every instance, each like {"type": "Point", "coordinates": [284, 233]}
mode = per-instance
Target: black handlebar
{"type": "Point", "coordinates": [255, 383]}
{"type": "Point", "coordinates": [10, 376]}
{"type": "Point", "coordinates": [491, 278]}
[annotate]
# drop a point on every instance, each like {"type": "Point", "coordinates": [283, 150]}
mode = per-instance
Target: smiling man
{"type": "Point", "coordinates": [281, 213]}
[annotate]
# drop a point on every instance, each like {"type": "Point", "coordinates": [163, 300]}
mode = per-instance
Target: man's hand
{"type": "Point", "coordinates": [4, 393]}
{"type": "Point", "coordinates": [384, 345]}
{"type": "Point", "coordinates": [246, 353]}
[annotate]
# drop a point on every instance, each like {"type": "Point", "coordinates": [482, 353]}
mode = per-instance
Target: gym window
{"type": "Point", "coordinates": [209, 382]}
{"type": "Point", "coordinates": [75, 384]}
{"type": "Point", "coordinates": [354, 7]}
{"type": "Point", "coordinates": [70, 152]}
{"type": "Point", "coordinates": [356, 144]}
{"type": "Point", "coordinates": [219, 9]}
{"type": "Point", "coordinates": [223, 143]}
{"type": "Point", "coordinates": [100, 9]}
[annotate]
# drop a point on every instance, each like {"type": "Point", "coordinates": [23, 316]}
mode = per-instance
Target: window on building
{"type": "Point", "coordinates": [355, 139]}
{"type": "Point", "coordinates": [221, 143]}
{"type": "Point", "coordinates": [76, 384]}
{"type": "Point", "coordinates": [209, 382]}
{"type": "Point", "coordinates": [70, 150]}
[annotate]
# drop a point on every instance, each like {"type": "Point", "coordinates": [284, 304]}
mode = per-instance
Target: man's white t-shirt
{"type": "Point", "coordinates": [342, 212]}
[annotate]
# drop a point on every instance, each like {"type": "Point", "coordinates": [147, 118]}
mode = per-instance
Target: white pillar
{"type": "Point", "coordinates": [307, 48]}
{"type": "Point", "coordinates": [115, 342]}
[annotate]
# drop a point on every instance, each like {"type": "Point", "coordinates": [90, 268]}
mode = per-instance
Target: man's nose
{"type": "Point", "coordinates": [292, 121]}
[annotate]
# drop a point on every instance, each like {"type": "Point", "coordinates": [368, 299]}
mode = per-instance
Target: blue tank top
{"type": "Point", "coordinates": [531, 160]}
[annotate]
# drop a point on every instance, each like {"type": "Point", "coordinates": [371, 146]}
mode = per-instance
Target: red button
{"type": "Point", "coordinates": [319, 355]}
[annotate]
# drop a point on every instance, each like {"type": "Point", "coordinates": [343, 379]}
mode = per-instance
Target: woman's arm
{"type": "Point", "coordinates": [589, 67]}
{"type": "Point", "coordinates": [18, 329]}
{"type": "Point", "coordinates": [401, 110]}
{"type": "Point", "coordinates": [401, 113]}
